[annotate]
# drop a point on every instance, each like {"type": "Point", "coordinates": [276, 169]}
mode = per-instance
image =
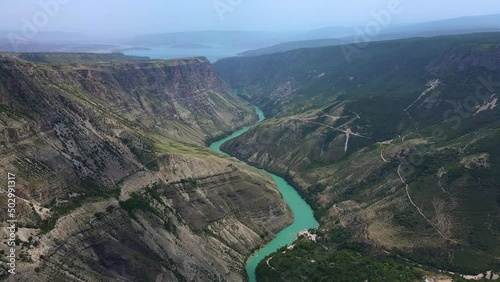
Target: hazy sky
{"type": "Point", "coordinates": [152, 16]}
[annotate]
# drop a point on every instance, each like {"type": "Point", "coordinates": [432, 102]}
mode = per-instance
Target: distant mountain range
{"type": "Point", "coordinates": [337, 35]}
{"type": "Point", "coordinates": [257, 42]}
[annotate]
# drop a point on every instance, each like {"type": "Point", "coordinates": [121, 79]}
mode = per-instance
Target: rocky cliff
{"type": "Point", "coordinates": [113, 179]}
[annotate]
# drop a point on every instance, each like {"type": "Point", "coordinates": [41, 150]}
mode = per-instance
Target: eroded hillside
{"type": "Point", "coordinates": [113, 178]}
{"type": "Point", "coordinates": [393, 145]}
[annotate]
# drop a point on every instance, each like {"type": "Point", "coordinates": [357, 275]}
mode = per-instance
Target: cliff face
{"type": "Point", "coordinates": [114, 180]}
{"type": "Point", "coordinates": [103, 122]}
{"type": "Point", "coordinates": [164, 227]}
{"type": "Point", "coordinates": [154, 94]}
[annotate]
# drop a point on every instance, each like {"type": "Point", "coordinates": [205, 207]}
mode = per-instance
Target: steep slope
{"type": "Point", "coordinates": [113, 179]}
{"type": "Point", "coordinates": [393, 144]}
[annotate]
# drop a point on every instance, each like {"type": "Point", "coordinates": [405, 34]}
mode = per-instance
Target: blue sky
{"type": "Point", "coordinates": [152, 16]}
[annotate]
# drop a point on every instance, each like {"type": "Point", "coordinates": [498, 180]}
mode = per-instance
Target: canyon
{"type": "Point", "coordinates": [114, 181]}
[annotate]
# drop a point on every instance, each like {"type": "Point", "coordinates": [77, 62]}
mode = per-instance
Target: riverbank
{"type": "Point", "coordinates": [302, 212]}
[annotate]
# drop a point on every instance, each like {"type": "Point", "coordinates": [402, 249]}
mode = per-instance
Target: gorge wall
{"type": "Point", "coordinates": [114, 181]}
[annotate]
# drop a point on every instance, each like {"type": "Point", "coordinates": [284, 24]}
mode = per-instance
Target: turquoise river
{"type": "Point", "coordinates": [303, 217]}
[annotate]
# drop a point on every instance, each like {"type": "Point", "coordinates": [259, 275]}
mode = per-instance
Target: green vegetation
{"type": "Point", "coordinates": [137, 202]}
{"type": "Point", "coordinates": [142, 202]}
{"type": "Point", "coordinates": [88, 192]}
{"type": "Point", "coordinates": [309, 261]}
{"type": "Point", "coordinates": [191, 181]}
{"type": "Point", "coordinates": [407, 218]}
{"type": "Point", "coordinates": [169, 226]}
